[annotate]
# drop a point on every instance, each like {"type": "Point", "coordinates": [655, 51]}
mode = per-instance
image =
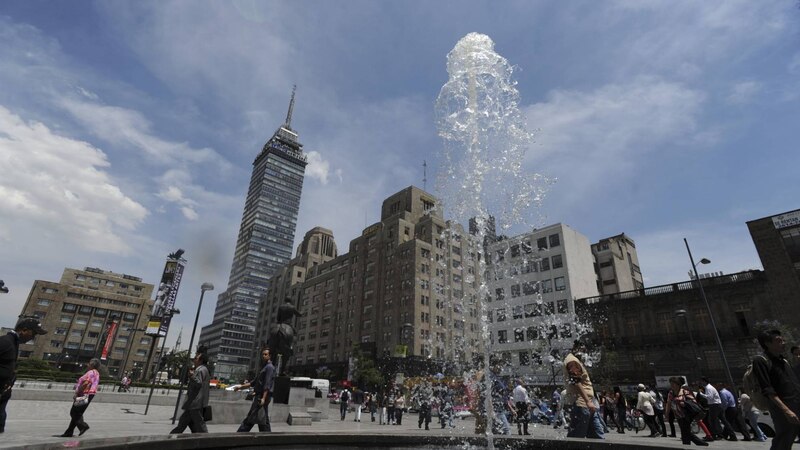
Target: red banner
{"type": "Point", "coordinates": [109, 340]}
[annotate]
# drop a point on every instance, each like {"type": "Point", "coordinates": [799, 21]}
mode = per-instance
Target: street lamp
{"type": "Point", "coordinates": [682, 313]}
{"type": "Point", "coordinates": [167, 314]}
{"type": "Point", "coordinates": [203, 288]}
{"type": "Point", "coordinates": [710, 314]}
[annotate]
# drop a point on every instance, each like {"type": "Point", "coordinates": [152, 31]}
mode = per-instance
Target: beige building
{"type": "Point", "coordinates": [617, 265]}
{"type": "Point", "coordinates": [533, 280]}
{"type": "Point", "coordinates": [78, 311]}
{"type": "Point", "coordinates": [406, 287]}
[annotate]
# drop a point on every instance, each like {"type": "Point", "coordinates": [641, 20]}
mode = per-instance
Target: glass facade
{"type": "Point", "coordinates": [264, 245]}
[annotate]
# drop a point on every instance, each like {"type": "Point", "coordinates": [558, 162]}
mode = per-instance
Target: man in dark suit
{"type": "Point", "coordinates": [27, 328]}
{"type": "Point", "coordinates": [196, 398]}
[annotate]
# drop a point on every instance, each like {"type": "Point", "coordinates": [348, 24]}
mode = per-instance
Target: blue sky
{"type": "Point", "coordinates": [128, 129]}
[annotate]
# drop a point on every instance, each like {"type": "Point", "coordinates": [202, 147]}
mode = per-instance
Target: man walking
{"type": "Point", "coordinates": [715, 410]}
{"type": "Point", "coordinates": [522, 402]}
{"type": "Point", "coordinates": [732, 415]}
{"type": "Point", "coordinates": [262, 390]}
{"type": "Point", "coordinates": [344, 397]}
{"type": "Point", "coordinates": [780, 385]}
{"type": "Point", "coordinates": [196, 398]}
{"type": "Point", "coordinates": [26, 329]}
{"type": "Point", "coordinates": [584, 418]}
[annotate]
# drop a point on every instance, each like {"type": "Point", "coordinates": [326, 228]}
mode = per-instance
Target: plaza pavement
{"type": "Point", "coordinates": [33, 422]}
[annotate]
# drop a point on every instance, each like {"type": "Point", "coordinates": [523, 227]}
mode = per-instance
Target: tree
{"type": "Point", "coordinates": [365, 373]}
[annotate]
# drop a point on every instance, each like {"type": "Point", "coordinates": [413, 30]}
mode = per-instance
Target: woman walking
{"type": "Point", "coordinates": [85, 390]}
{"type": "Point", "coordinates": [675, 402]}
{"type": "Point", "coordinates": [621, 405]}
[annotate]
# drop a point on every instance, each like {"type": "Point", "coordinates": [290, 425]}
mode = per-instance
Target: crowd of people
{"type": "Point", "coordinates": [715, 410]}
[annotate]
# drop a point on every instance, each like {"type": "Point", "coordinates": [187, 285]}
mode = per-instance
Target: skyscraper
{"type": "Point", "coordinates": [264, 245]}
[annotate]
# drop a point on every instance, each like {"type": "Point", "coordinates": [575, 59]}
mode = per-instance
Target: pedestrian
{"type": "Point", "coordinates": [750, 413]}
{"type": "Point", "coordinates": [716, 416]}
{"type": "Point", "coordinates": [621, 405]}
{"type": "Point", "coordinates": [344, 397]}
{"type": "Point", "coordinates": [372, 405]}
{"type": "Point", "coordinates": [382, 407]}
{"type": "Point", "coordinates": [732, 414]}
{"type": "Point", "coordinates": [196, 398]}
{"type": "Point", "coordinates": [399, 408]}
{"type": "Point", "coordinates": [26, 329]}
{"type": "Point", "coordinates": [779, 383]}
{"type": "Point", "coordinates": [358, 402]}
{"type": "Point", "coordinates": [262, 385]}
{"type": "Point", "coordinates": [584, 418]}
{"type": "Point", "coordinates": [85, 390]}
{"type": "Point", "coordinates": [425, 398]}
{"type": "Point", "coordinates": [556, 407]}
{"type": "Point", "coordinates": [390, 400]}
{"type": "Point", "coordinates": [522, 402]}
{"type": "Point", "coordinates": [606, 409]}
{"type": "Point", "coordinates": [644, 403]}
{"type": "Point", "coordinates": [676, 398]}
{"type": "Point", "coordinates": [658, 407]}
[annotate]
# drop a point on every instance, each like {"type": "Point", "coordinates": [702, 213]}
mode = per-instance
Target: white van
{"type": "Point", "coordinates": [324, 386]}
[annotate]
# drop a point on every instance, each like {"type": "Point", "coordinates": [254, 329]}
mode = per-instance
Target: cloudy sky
{"type": "Point", "coordinates": [128, 129]}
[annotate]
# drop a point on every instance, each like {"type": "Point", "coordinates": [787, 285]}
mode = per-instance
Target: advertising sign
{"type": "Point", "coordinates": [166, 295]}
{"type": "Point", "coordinates": [786, 220]}
{"type": "Point", "coordinates": [109, 340]}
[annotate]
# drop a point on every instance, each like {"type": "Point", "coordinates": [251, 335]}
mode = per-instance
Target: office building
{"type": "Point", "coordinates": [78, 312]}
{"type": "Point", "coordinates": [617, 265]}
{"type": "Point", "coordinates": [533, 279]}
{"type": "Point", "coordinates": [263, 246]}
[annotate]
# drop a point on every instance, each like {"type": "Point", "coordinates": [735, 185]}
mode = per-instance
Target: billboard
{"type": "Point", "coordinates": [112, 328]}
{"type": "Point", "coordinates": [166, 295]}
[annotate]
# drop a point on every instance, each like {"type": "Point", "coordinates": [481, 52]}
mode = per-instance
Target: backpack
{"type": "Point", "coordinates": [753, 389]}
{"type": "Point", "coordinates": [345, 396]}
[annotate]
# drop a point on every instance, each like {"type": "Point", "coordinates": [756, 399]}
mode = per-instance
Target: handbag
{"type": "Point", "coordinates": [207, 415]}
{"type": "Point", "coordinates": [692, 410]}
{"type": "Point", "coordinates": [81, 401]}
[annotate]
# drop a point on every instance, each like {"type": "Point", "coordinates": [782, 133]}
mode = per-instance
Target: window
{"type": "Point", "coordinates": [546, 285]}
{"type": "Point", "coordinates": [100, 312]}
{"type": "Point", "coordinates": [541, 243]}
{"type": "Point", "coordinates": [85, 310]}
{"type": "Point", "coordinates": [94, 334]}
{"type": "Point", "coordinates": [500, 294]}
{"type": "Point", "coordinates": [533, 310]}
{"type": "Point", "coordinates": [516, 312]}
{"type": "Point", "coordinates": [43, 302]}
{"type": "Point", "coordinates": [549, 308]}
{"type": "Point", "coordinates": [544, 264]}
{"type": "Point", "coordinates": [69, 307]}
{"type": "Point", "coordinates": [39, 314]}
{"type": "Point", "coordinates": [141, 352]}
{"type": "Point", "coordinates": [519, 334]}
{"type": "Point", "coordinates": [560, 283]}
{"type": "Point", "coordinates": [515, 291]}
{"type": "Point", "coordinates": [501, 314]}
{"type": "Point", "coordinates": [515, 250]}
{"type": "Point", "coordinates": [530, 287]}
{"type": "Point", "coordinates": [554, 240]}
{"type": "Point", "coordinates": [97, 323]}
{"type": "Point", "coordinates": [524, 360]}
{"type": "Point", "coordinates": [502, 337]}
{"type": "Point", "coordinates": [557, 261]}
{"type": "Point", "coordinates": [566, 331]}
{"type": "Point", "coordinates": [60, 331]}
{"type": "Point", "coordinates": [562, 306]}
{"type": "Point", "coordinates": [533, 333]}
{"type": "Point", "coordinates": [55, 344]}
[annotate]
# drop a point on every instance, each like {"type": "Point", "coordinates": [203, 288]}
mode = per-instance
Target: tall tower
{"type": "Point", "coordinates": [264, 245]}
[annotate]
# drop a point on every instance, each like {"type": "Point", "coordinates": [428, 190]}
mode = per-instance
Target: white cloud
{"type": "Point", "coordinates": [743, 92]}
{"type": "Point", "coordinates": [124, 126]}
{"type": "Point", "coordinates": [319, 168]}
{"type": "Point", "coordinates": [51, 183]}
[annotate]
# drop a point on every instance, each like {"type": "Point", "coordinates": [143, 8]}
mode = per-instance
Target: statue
{"type": "Point", "coordinates": [281, 334]}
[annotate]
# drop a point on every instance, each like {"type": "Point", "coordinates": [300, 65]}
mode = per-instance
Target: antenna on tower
{"type": "Point", "coordinates": [288, 123]}
{"type": "Point", "coordinates": [424, 175]}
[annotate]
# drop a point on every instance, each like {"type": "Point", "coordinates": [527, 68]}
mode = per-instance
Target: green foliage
{"type": "Point", "coordinates": [365, 374]}
{"type": "Point", "coordinates": [790, 334]}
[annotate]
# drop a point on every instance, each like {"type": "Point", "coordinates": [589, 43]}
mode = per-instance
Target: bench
{"type": "Point", "coordinates": [298, 418]}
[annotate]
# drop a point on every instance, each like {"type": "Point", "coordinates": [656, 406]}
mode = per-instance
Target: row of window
{"type": "Point", "coordinates": [531, 288]}
{"type": "Point", "coordinates": [534, 333]}
{"type": "Point", "coordinates": [531, 310]}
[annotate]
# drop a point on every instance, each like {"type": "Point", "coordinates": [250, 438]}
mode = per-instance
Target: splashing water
{"type": "Point", "coordinates": [485, 140]}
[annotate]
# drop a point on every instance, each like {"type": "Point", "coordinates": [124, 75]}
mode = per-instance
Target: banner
{"type": "Point", "coordinates": [166, 295]}
{"type": "Point", "coordinates": [109, 340]}
{"type": "Point", "coordinates": [153, 325]}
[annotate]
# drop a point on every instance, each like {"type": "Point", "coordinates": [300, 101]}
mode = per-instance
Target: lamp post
{"type": "Point", "coordinates": [168, 313]}
{"type": "Point", "coordinates": [682, 313]}
{"type": "Point", "coordinates": [203, 288]}
{"type": "Point", "coordinates": [710, 313]}
{"type": "Point", "coordinates": [128, 351]}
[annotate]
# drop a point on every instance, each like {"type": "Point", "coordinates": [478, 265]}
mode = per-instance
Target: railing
{"type": "Point", "coordinates": [676, 287]}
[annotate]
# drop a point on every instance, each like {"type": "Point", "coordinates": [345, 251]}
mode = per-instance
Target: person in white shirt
{"type": "Point", "coordinates": [714, 408]}
{"type": "Point", "coordinates": [522, 403]}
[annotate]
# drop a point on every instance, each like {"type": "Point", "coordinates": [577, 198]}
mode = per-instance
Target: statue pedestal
{"type": "Point", "coordinates": [280, 390]}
